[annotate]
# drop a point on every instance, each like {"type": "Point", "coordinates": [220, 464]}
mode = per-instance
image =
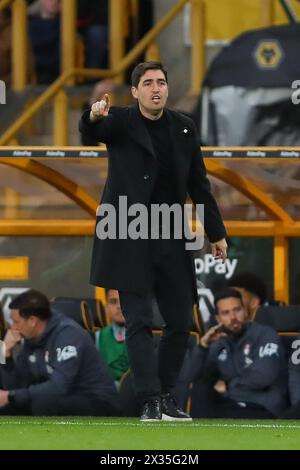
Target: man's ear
{"type": "Point", "coordinates": [134, 92]}
{"type": "Point", "coordinates": [33, 320]}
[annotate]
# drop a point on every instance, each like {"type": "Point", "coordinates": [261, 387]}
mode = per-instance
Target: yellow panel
{"type": "Point", "coordinates": [228, 18]}
{"type": "Point", "coordinates": [14, 268]}
{"type": "Point", "coordinates": [100, 294]}
{"type": "Point", "coordinates": [280, 16]}
{"type": "Point", "coordinates": [48, 227]}
{"type": "Point", "coordinates": [281, 269]}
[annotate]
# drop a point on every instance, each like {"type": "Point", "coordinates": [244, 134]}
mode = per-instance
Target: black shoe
{"type": "Point", "coordinates": [151, 411]}
{"type": "Point", "coordinates": [171, 411]}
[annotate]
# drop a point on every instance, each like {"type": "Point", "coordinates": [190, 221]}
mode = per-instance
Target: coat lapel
{"type": "Point", "coordinates": [138, 131]}
{"type": "Point", "coordinates": [179, 133]}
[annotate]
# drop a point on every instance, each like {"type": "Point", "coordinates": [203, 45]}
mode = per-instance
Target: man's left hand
{"type": "Point", "coordinates": [220, 387]}
{"type": "Point", "coordinates": [219, 249]}
{"type": "Point", "coordinates": [3, 398]}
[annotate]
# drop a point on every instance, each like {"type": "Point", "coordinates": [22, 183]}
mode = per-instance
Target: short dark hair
{"type": "Point", "coordinates": [32, 302]}
{"type": "Point", "coordinates": [142, 68]}
{"type": "Point", "coordinates": [252, 283]}
{"type": "Point", "coordinates": [107, 289]}
{"type": "Point", "coordinates": [227, 294]}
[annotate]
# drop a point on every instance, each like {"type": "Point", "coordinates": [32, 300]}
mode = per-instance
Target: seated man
{"type": "Point", "coordinates": [247, 357]}
{"type": "Point", "coordinates": [58, 371]}
{"type": "Point", "coordinates": [110, 341]}
{"type": "Point", "coordinates": [44, 38]}
{"type": "Point", "coordinates": [92, 24]}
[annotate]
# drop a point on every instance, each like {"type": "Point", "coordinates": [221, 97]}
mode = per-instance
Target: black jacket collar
{"type": "Point", "coordinates": [139, 133]}
{"type": "Point", "coordinates": [138, 130]}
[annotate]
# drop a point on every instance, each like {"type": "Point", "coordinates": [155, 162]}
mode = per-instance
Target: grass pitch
{"type": "Point", "coordinates": [25, 433]}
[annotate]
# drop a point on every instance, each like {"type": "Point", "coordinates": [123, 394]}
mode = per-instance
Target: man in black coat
{"type": "Point", "coordinates": [154, 159]}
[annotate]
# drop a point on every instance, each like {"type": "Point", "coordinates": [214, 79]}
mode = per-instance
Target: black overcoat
{"type": "Point", "coordinates": [124, 264]}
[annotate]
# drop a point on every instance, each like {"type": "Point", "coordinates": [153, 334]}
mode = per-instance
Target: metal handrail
{"type": "Point", "coordinates": [5, 3]}
{"type": "Point", "coordinates": [35, 107]}
{"type": "Point", "coordinates": [289, 11]}
{"type": "Point", "coordinates": [58, 84]}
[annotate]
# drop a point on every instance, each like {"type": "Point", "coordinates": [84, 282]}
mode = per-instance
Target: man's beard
{"type": "Point", "coordinates": [235, 334]}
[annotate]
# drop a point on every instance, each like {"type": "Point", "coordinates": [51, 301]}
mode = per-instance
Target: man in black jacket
{"type": "Point", "coordinates": [154, 159]}
{"type": "Point", "coordinates": [246, 357]}
{"type": "Point", "coordinates": [58, 370]}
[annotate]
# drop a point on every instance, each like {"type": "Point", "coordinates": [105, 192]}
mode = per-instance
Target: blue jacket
{"type": "Point", "coordinates": [253, 366]}
{"type": "Point", "coordinates": [62, 361]}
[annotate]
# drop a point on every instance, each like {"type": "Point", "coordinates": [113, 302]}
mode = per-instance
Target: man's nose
{"type": "Point", "coordinates": [232, 316]}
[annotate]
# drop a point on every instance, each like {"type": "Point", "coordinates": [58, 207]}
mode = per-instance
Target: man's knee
{"type": "Point", "coordinates": [45, 405]}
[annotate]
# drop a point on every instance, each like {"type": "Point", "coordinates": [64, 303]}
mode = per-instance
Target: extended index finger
{"type": "Point", "coordinates": [106, 98]}
{"type": "Point", "coordinates": [217, 327]}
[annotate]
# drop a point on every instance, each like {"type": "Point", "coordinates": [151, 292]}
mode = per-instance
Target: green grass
{"type": "Point", "coordinates": [116, 433]}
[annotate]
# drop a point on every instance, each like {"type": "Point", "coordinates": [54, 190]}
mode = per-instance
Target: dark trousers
{"type": "Point", "coordinates": [207, 403]}
{"type": "Point", "coordinates": [172, 286]}
{"type": "Point", "coordinates": [72, 405]}
{"type": "Point", "coordinates": [292, 413]}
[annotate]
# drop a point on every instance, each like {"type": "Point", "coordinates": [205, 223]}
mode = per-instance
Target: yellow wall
{"type": "Point", "coordinates": [228, 18]}
{"type": "Point", "coordinates": [280, 17]}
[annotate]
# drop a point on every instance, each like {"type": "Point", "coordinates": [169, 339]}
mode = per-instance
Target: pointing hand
{"type": "Point", "coordinates": [100, 109]}
{"type": "Point", "coordinates": [219, 249]}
